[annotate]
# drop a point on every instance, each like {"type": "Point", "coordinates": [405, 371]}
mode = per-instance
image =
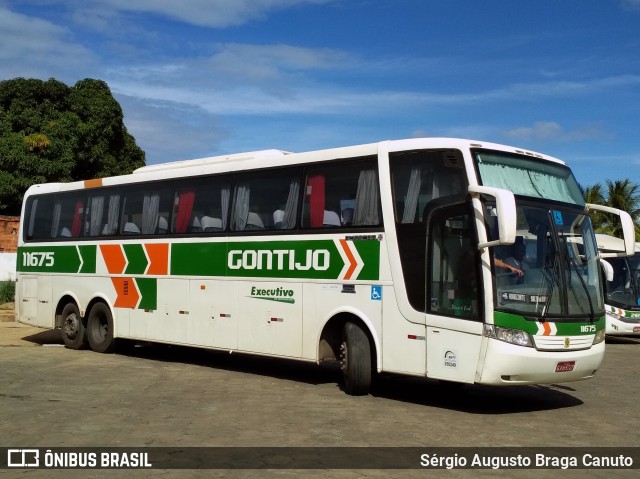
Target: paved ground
{"type": "Point", "coordinates": [178, 397]}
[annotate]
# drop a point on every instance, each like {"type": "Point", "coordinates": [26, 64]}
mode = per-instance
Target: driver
{"type": "Point", "coordinates": [514, 263]}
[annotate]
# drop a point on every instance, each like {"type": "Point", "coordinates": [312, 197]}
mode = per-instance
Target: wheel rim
{"type": "Point", "coordinates": [344, 358]}
{"type": "Point", "coordinates": [71, 326]}
{"type": "Point", "coordinates": [102, 328]}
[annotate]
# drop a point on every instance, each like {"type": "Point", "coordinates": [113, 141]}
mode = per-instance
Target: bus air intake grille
{"type": "Point", "coordinates": [562, 343]}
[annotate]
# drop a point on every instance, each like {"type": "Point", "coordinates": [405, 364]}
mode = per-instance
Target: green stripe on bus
{"type": "Point", "coordinates": [311, 259]}
{"type": "Point", "coordinates": [148, 288]}
{"type": "Point", "coordinates": [88, 254]}
{"type": "Point", "coordinates": [514, 321]}
{"type": "Point", "coordinates": [48, 259]}
{"type": "Point", "coordinates": [298, 259]}
{"type": "Point", "coordinates": [136, 257]}
{"type": "Point", "coordinates": [371, 251]}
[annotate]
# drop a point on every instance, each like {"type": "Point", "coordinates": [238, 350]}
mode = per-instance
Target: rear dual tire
{"type": "Point", "coordinates": [100, 329]}
{"type": "Point", "coordinates": [74, 330]}
{"type": "Point", "coordinates": [355, 360]}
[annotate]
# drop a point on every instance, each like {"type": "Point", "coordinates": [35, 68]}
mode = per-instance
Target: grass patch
{"type": "Point", "coordinates": [7, 291]}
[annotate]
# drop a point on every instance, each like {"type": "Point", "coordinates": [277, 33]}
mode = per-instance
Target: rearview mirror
{"type": "Point", "coordinates": [505, 211]}
{"type": "Point", "coordinates": [628, 230]}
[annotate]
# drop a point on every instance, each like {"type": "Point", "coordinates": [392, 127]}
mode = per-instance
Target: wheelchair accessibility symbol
{"type": "Point", "coordinates": [376, 293]}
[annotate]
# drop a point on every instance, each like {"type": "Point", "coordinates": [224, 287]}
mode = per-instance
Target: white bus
{"type": "Point", "coordinates": [379, 256]}
{"type": "Point", "coordinates": [621, 286]}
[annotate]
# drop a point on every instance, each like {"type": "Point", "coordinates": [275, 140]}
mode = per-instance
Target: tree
{"type": "Point", "coordinates": [620, 194]}
{"type": "Point", "coordinates": [50, 132]}
{"type": "Point", "coordinates": [624, 195]}
{"type": "Point", "coordinates": [593, 194]}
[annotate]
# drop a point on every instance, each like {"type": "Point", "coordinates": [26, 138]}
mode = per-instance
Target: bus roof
{"type": "Point", "coordinates": [611, 243]}
{"type": "Point", "coordinates": [274, 157]}
{"type": "Point", "coordinates": [262, 154]}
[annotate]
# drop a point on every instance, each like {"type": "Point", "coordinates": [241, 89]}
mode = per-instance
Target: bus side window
{"type": "Point", "coordinates": [40, 218]}
{"type": "Point", "coordinates": [143, 209]}
{"type": "Point", "coordinates": [101, 218]}
{"type": "Point", "coordinates": [266, 202]}
{"type": "Point", "coordinates": [67, 216]}
{"type": "Point", "coordinates": [201, 206]}
{"type": "Point", "coordinates": [340, 195]}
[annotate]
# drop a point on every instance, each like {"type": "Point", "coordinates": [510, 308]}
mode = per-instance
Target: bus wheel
{"type": "Point", "coordinates": [100, 329]}
{"type": "Point", "coordinates": [355, 360]}
{"type": "Point", "coordinates": [74, 332]}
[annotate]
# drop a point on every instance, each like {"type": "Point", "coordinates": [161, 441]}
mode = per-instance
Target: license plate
{"type": "Point", "coordinates": [565, 366]}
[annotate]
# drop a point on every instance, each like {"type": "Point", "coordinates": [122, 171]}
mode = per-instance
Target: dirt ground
{"type": "Point", "coordinates": [7, 313]}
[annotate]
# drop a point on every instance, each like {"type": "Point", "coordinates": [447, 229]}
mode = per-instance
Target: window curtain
{"type": "Point", "coordinates": [55, 223]}
{"type": "Point", "coordinates": [150, 213]}
{"type": "Point", "coordinates": [225, 195]}
{"type": "Point", "coordinates": [316, 185]}
{"type": "Point", "coordinates": [240, 207]}
{"type": "Point", "coordinates": [76, 225]}
{"type": "Point", "coordinates": [185, 207]}
{"type": "Point", "coordinates": [367, 200]}
{"type": "Point", "coordinates": [291, 207]}
{"type": "Point", "coordinates": [113, 214]}
{"type": "Point", "coordinates": [523, 181]}
{"type": "Point", "coordinates": [96, 209]}
{"type": "Point", "coordinates": [411, 200]}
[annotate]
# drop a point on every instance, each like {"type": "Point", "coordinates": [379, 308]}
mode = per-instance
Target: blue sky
{"type": "Point", "coordinates": [204, 77]}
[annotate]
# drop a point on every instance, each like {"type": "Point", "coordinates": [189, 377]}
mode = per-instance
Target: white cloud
{"type": "Point", "coordinates": [545, 131]}
{"type": "Point", "coordinates": [632, 4]}
{"type": "Point", "coordinates": [36, 47]}
{"type": "Point", "coordinates": [237, 58]}
{"type": "Point", "coordinates": [224, 93]}
{"type": "Point", "coordinates": [206, 13]}
{"type": "Point", "coordinates": [237, 79]}
{"type": "Point", "coordinates": [280, 79]}
{"type": "Point", "coordinates": [167, 131]}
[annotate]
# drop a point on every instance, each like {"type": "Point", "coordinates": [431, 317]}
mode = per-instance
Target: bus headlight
{"type": "Point", "coordinates": [511, 336]}
{"type": "Point", "coordinates": [599, 337]}
{"type": "Point", "coordinates": [613, 315]}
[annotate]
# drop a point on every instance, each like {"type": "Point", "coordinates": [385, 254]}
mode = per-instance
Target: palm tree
{"type": "Point", "coordinates": [621, 194]}
{"type": "Point", "coordinates": [593, 194]}
{"type": "Point", "coordinates": [625, 195]}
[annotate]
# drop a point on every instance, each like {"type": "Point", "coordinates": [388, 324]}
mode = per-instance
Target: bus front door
{"type": "Point", "coordinates": [454, 325]}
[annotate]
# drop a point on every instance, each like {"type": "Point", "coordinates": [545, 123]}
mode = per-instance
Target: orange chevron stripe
{"type": "Point", "coordinates": [547, 329]}
{"type": "Point", "coordinates": [352, 260]}
{"type": "Point", "coordinates": [158, 258]}
{"type": "Point", "coordinates": [126, 291]}
{"type": "Point", "coordinates": [113, 258]}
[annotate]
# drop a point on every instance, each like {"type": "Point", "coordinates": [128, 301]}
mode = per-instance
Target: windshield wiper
{"type": "Point", "coordinates": [572, 262]}
{"type": "Point", "coordinates": [551, 281]}
{"type": "Point", "coordinates": [556, 272]}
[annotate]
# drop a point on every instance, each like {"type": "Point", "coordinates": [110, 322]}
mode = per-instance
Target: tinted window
{"type": "Point", "coordinates": [342, 195]}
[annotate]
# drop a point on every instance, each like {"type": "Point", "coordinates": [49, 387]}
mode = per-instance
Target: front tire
{"type": "Point", "coordinates": [355, 361]}
{"type": "Point", "coordinates": [74, 331]}
{"type": "Point", "coordinates": [100, 329]}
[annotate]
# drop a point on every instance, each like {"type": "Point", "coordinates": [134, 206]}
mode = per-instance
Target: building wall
{"type": "Point", "coordinates": [9, 233]}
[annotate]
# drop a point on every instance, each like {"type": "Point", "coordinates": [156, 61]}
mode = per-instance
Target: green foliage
{"type": "Point", "coordinates": [7, 291]}
{"type": "Point", "coordinates": [50, 132]}
{"type": "Point", "coordinates": [621, 194]}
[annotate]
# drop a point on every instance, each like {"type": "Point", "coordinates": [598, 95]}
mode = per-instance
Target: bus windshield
{"type": "Point", "coordinates": [529, 177]}
{"type": "Point", "coordinates": [551, 271]}
{"type": "Point", "coordinates": [624, 290]}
